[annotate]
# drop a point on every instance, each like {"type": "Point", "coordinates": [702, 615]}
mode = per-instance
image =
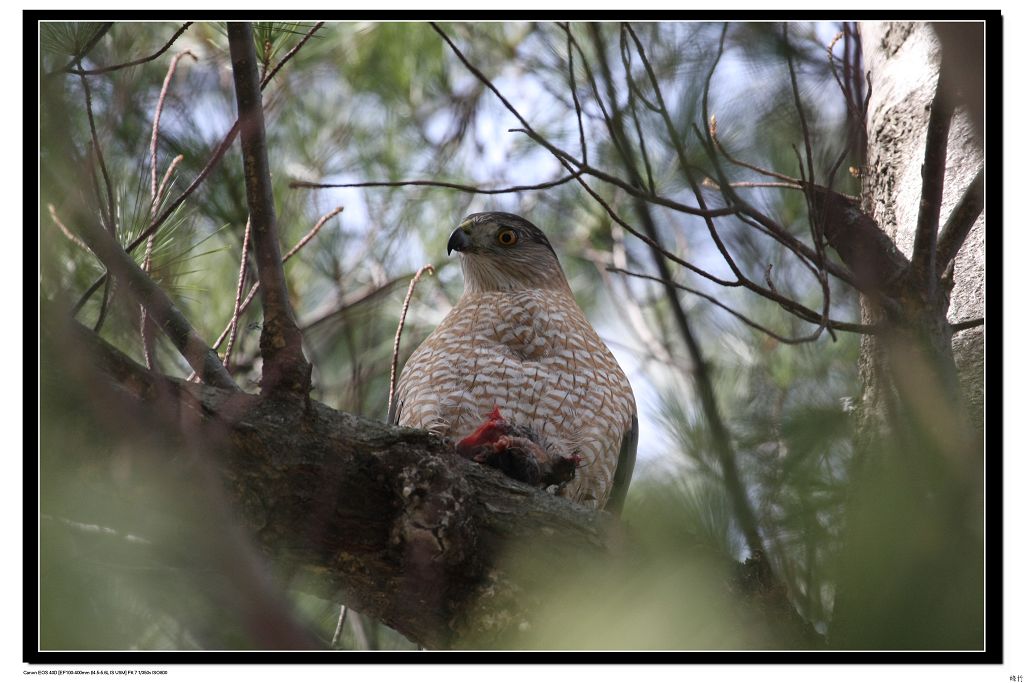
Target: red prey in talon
{"type": "Point", "coordinates": [517, 451]}
{"type": "Point", "coordinates": [493, 428]}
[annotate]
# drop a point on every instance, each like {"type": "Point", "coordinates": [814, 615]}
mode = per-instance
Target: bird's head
{"type": "Point", "coordinates": [501, 251]}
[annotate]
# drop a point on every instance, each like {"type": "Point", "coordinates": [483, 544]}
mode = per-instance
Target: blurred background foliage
{"type": "Point", "coordinates": [365, 102]}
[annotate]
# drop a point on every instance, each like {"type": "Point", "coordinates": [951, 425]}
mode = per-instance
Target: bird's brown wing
{"type": "Point", "coordinates": [624, 469]}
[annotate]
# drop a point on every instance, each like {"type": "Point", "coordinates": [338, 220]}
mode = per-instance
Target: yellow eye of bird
{"type": "Point", "coordinates": [508, 237]}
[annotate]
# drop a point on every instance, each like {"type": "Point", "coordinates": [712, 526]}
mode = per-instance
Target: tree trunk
{"type": "Point", "coordinates": [902, 60]}
{"type": "Point", "coordinates": [912, 571]}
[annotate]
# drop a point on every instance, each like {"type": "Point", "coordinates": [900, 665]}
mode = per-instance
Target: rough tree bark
{"type": "Point", "coordinates": [903, 62]}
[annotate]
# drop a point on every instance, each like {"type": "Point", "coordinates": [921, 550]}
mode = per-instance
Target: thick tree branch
{"type": "Point", "coordinates": [388, 519]}
{"type": "Point", "coordinates": [960, 222]}
{"type": "Point", "coordinates": [285, 365]}
{"type": "Point", "coordinates": [864, 247]}
{"type": "Point", "coordinates": [933, 174]}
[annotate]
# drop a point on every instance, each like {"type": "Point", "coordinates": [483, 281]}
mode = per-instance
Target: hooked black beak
{"type": "Point", "coordinates": [458, 241]}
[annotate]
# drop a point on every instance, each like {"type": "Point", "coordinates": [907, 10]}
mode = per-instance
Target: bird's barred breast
{"type": "Point", "coordinates": [534, 355]}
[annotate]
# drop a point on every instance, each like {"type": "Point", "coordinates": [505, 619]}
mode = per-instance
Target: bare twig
{"type": "Point", "coordinates": [711, 184]}
{"type": "Point", "coordinates": [398, 332]}
{"type": "Point", "coordinates": [723, 445]}
{"type": "Point", "coordinates": [154, 137]}
{"type": "Point", "coordinates": [312, 233]}
{"type": "Point", "coordinates": [354, 299]}
{"type": "Point", "coordinates": [104, 305]}
{"type": "Point", "coordinates": [155, 193]}
{"type": "Point", "coordinates": [814, 318]}
{"type": "Point", "coordinates": [105, 216]}
{"type": "Point", "coordinates": [853, 108]}
{"type": "Point", "coordinates": [817, 232]}
{"type": "Point", "coordinates": [634, 94]}
{"type": "Point", "coordinates": [570, 44]}
{"type": "Point", "coordinates": [110, 211]}
{"type": "Point", "coordinates": [135, 62]}
{"type": "Point", "coordinates": [677, 144]}
{"type": "Point", "coordinates": [472, 189]}
{"type": "Point", "coordinates": [761, 222]}
{"type": "Point", "coordinates": [713, 130]}
{"type": "Point", "coordinates": [803, 118]}
{"type": "Point", "coordinates": [291, 53]}
{"type": "Point", "coordinates": [168, 174]}
{"type": "Point", "coordinates": [63, 228]}
{"type": "Point", "coordinates": [567, 160]}
{"type": "Point", "coordinates": [654, 244]}
{"type": "Point", "coordinates": [88, 294]}
{"type": "Point", "coordinates": [615, 133]}
{"type": "Point", "coordinates": [242, 267]}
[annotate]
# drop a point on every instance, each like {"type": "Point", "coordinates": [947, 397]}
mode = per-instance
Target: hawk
{"type": "Point", "coordinates": [517, 349]}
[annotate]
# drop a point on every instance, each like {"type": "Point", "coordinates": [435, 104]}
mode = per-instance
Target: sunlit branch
{"type": "Point", "coordinates": [960, 222]}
